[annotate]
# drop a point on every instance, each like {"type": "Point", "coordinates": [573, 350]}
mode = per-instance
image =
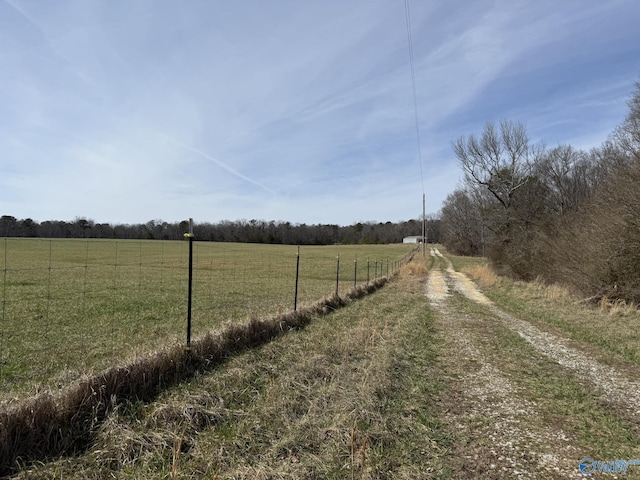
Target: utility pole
{"type": "Point", "coordinates": [424, 228]}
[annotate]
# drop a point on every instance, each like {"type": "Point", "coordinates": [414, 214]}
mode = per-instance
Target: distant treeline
{"type": "Point", "coordinates": [245, 231]}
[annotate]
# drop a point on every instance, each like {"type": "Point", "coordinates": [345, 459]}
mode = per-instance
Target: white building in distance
{"type": "Point", "coordinates": [413, 239]}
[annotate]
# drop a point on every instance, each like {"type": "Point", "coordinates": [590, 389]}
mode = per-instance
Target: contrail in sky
{"type": "Point", "coordinates": [21, 11]}
{"type": "Point", "coordinates": [222, 165]}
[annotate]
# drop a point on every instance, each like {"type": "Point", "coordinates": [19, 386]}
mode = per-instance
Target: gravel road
{"type": "Point", "coordinates": [504, 437]}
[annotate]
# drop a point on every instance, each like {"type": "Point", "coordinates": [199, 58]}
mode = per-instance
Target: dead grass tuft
{"type": "Point", "coordinates": [604, 303]}
{"type": "Point", "coordinates": [414, 268]}
{"type": "Point", "coordinates": [558, 292]}
{"type": "Point", "coordinates": [552, 292]}
{"type": "Point", "coordinates": [365, 289]}
{"type": "Point", "coordinates": [618, 308]}
{"type": "Point", "coordinates": [483, 275]}
{"type": "Point", "coordinates": [487, 278]}
{"type": "Point", "coordinates": [198, 412]}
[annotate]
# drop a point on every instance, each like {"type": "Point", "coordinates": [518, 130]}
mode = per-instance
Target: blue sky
{"type": "Point", "coordinates": [125, 111]}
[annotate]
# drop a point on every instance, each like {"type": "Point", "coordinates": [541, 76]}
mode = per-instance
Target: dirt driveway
{"type": "Point", "coordinates": [501, 367]}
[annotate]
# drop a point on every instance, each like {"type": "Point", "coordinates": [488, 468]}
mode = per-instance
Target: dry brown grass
{"type": "Point", "coordinates": [559, 293]}
{"type": "Point", "coordinates": [617, 308]}
{"type": "Point", "coordinates": [415, 268]}
{"type": "Point", "coordinates": [483, 275]}
{"type": "Point", "coordinates": [552, 292]}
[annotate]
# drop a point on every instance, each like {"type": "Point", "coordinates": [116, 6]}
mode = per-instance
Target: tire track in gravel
{"type": "Point", "coordinates": [488, 412]}
{"type": "Point", "coordinates": [615, 388]}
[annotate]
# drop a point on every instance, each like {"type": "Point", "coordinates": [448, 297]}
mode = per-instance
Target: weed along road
{"type": "Point", "coordinates": [524, 401]}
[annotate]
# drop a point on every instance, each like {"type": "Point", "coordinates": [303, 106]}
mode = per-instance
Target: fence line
{"type": "Point", "coordinates": [75, 306]}
{"type": "Point", "coordinates": [4, 306]}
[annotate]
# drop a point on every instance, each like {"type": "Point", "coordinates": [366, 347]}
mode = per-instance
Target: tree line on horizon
{"type": "Point", "coordinates": [562, 215]}
{"type": "Point", "coordinates": [240, 231]}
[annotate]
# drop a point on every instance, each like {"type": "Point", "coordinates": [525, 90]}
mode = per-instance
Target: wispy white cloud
{"type": "Point", "coordinates": [299, 111]}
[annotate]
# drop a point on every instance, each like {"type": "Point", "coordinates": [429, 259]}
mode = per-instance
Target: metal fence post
{"type": "Point", "coordinates": [337, 275]}
{"type": "Point", "coordinates": [355, 272]}
{"type": "Point", "coordinates": [295, 295]}
{"type": "Point", "coordinates": [190, 289]}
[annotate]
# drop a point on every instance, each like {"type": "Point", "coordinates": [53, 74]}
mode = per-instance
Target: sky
{"type": "Point", "coordinates": [125, 111]}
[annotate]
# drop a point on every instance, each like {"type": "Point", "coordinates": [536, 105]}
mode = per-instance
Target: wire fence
{"type": "Point", "coordinates": [74, 306]}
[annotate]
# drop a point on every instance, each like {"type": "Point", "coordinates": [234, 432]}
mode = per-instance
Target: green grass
{"type": "Point", "coordinates": [460, 263]}
{"type": "Point", "coordinates": [69, 307]}
{"type": "Point", "coordinates": [561, 401]}
{"type": "Point", "coordinates": [614, 334]}
{"type": "Point", "coordinates": [615, 337]}
{"type": "Point", "coordinates": [352, 395]}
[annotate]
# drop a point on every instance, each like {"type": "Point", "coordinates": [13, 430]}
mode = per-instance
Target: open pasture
{"type": "Point", "coordinates": [73, 306]}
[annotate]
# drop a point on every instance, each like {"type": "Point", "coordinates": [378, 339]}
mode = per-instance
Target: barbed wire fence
{"type": "Point", "coordinates": [70, 307]}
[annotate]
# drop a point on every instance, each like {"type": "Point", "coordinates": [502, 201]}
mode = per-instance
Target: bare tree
{"type": "Point", "coordinates": [507, 197]}
{"type": "Point", "coordinates": [627, 135]}
{"type": "Point", "coordinates": [567, 175]}
{"type": "Point", "coordinates": [500, 160]}
{"type": "Point", "coordinates": [461, 224]}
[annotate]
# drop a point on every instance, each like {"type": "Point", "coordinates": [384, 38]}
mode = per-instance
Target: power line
{"type": "Point", "coordinates": [407, 13]}
{"type": "Point", "coordinates": [413, 84]}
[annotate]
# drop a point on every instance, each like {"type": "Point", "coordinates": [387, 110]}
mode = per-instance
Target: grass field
{"type": "Point", "coordinates": [351, 395]}
{"type": "Point", "coordinates": [69, 307]}
{"type": "Point", "coordinates": [393, 385]}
